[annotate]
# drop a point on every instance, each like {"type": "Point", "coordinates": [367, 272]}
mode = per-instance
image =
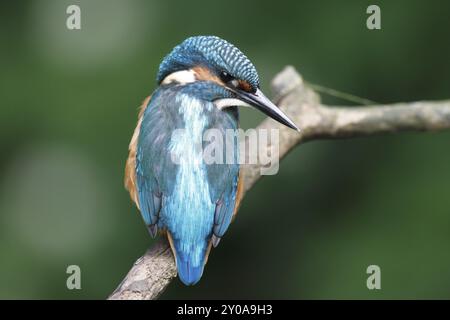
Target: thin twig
{"type": "Point", "coordinates": [341, 95]}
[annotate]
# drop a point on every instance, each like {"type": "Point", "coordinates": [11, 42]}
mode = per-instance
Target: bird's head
{"type": "Point", "coordinates": [209, 58]}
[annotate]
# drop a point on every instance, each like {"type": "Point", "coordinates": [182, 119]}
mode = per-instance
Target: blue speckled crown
{"type": "Point", "coordinates": [212, 51]}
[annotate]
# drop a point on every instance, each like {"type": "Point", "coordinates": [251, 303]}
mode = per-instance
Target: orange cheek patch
{"type": "Point", "coordinates": [244, 85]}
{"type": "Point", "coordinates": [203, 74]}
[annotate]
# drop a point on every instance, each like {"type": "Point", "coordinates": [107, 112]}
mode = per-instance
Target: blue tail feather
{"type": "Point", "coordinates": [190, 265]}
{"type": "Point", "coordinates": [188, 273]}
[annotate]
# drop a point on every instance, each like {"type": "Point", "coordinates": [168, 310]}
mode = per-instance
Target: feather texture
{"type": "Point", "coordinates": [177, 191]}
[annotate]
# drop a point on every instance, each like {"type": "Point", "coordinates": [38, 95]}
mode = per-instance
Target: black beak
{"type": "Point", "coordinates": [263, 104]}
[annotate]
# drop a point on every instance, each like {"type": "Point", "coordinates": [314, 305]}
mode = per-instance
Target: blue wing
{"type": "Point", "coordinates": [223, 178]}
{"type": "Point", "coordinates": [155, 172]}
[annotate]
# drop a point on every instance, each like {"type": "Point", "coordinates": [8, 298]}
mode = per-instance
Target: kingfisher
{"type": "Point", "coordinates": [201, 84]}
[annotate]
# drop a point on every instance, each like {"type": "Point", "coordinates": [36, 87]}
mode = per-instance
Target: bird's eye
{"type": "Point", "coordinates": [229, 80]}
{"type": "Point", "coordinates": [226, 77]}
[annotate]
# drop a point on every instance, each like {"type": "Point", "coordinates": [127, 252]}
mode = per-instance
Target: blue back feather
{"type": "Point", "coordinates": [190, 199]}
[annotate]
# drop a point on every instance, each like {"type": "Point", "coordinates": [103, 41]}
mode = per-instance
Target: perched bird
{"type": "Point", "coordinates": [200, 85]}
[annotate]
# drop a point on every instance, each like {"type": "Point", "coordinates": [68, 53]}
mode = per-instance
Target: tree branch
{"type": "Point", "coordinates": [152, 273]}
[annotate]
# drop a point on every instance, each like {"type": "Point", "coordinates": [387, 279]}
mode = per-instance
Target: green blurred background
{"type": "Point", "coordinates": [69, 104]}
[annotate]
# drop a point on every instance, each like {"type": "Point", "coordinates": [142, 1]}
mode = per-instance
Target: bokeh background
{"type": "Point", "coordinates": [69, 104]}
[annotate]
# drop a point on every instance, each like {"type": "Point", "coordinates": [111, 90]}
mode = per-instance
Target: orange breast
{"type": "Point", "coordinates": [130, 166]}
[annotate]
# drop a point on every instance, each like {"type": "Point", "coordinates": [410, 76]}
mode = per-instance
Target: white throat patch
{"type": "Point", "coordinates": [230, 102]}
